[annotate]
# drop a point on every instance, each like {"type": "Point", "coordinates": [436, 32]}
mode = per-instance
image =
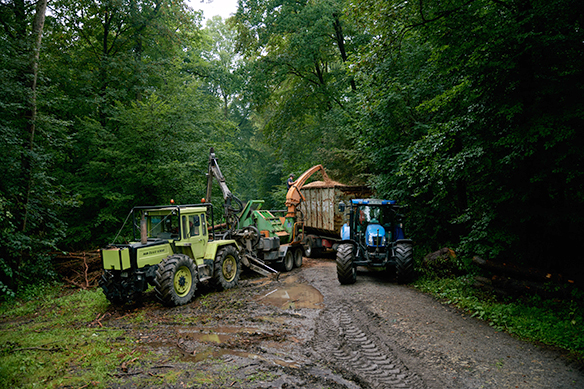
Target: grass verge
{"type": "Point", "coordinates": [557, 323]}
{"type": "Point", "coordinates": [49, 341]}
{"type": "Point", "coordinates": [54, 338]}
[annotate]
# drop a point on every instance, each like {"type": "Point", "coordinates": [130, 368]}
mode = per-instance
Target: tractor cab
{"type": "Point", "coordinates": [373, 223]}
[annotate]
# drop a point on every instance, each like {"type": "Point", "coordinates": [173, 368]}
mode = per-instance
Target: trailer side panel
{"type": "Point", "coordinates": [320, 209]}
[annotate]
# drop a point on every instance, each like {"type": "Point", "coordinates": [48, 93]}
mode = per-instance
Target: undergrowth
{"type": "Point", "coordinates": [553, 322]}
{"type": "Point", "coordinates": [46, 340]}
{"type": "Point", "coordinates": [51, 337]}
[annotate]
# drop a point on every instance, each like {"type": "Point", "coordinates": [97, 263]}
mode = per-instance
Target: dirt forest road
{"type": "Point", "coordinates": [305, 330]}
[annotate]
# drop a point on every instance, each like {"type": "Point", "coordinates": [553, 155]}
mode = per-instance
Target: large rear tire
{"type": "Point", "coordinates": [404, 262]}
{"type": "Point", "coordinates": [297, 257]}
{"type": "Point", "coordinates": [346, 271]}
{"type": "Point", "coordinates": [177, 280]}
{"type": "Point", "coordinates": [227, 268]}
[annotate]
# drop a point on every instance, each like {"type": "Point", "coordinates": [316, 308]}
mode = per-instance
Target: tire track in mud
{"type": "Point", "coordinates": [340, 340]}
{"type": "Point", "coordinates": [434, 345]}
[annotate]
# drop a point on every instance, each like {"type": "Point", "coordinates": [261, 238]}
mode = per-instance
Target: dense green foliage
{"type": "Point", "coordinates": [483, 98]}
{"type": "Point", "coordinates": [468, 112]}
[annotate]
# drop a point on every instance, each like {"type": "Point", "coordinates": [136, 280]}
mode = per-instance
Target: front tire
{"type": "Point", "coordinates": [176, 277]}
{"type": "Point", "coordinates": [404, 262]}
{"type": "Point", "coordinates": [227, 268]}
{"type": "Point", "coordinates": [346, 272]}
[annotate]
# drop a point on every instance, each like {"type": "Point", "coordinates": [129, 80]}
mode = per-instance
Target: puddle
{"type": "Point", "coordinates": [272, 319]}
{"type": "Point", "coordinates": [214, 335]}
{"type": "Point", "coordinates": [291, 364]}
{"type": "Point", "coordinates": [293, 295]}
{"type": "Point", "coordinates": [198, 344]}
{"type": "Point", "coordinates": [201, 355]}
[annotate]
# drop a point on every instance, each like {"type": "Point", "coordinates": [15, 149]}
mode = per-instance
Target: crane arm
{"type": "Point", "coordinates": [294, 195]}
{"type": "Point", "coordinates": [214, 171]}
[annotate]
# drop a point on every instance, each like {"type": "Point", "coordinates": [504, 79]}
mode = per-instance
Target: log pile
{"type": "Point", "coordinates": [442, 262]}
{"type": "Point", "coordinates": [516, 281]}
{"type": "Point", "coordinates": [80, 269]}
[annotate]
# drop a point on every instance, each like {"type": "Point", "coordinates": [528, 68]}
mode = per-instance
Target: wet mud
{"type": "Point", "coordinates": [305, 330]}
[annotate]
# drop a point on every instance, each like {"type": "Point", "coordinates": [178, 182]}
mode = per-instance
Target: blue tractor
{"type": "Point", "coordinates": [374, 238]}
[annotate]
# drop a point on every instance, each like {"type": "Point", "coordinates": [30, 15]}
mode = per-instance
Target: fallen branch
{"type": "Point", "coordinates": [119, 375]}
{"type": "Point", "coordinates": [95, 277]}
{"type": "Point", "coordinates": [98, 319]}
{"type": "Point", "coordinates": [86, 268]}
{"type": "Point", "coordinates": [74, 283]}
{"type": "Point", "coordinates": [125, 364]}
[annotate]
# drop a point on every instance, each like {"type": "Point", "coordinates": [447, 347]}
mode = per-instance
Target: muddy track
{"type": "Point", "coordinates": [430, 345]}
{"type": "Point", "coordinates": [305, 330]}
{"type": "Point", "coordinates": [343, 342]}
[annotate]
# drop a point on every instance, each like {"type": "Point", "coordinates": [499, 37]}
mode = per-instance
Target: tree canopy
{"type": "Point", "coordinates": [469, 112]}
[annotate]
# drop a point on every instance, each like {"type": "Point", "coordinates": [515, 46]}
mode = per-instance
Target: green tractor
{"type": "Point", "coordinates": [174, 248]}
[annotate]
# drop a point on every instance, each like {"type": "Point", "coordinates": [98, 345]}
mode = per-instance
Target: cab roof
{"type": "Point", "coordinates": [372, 202]}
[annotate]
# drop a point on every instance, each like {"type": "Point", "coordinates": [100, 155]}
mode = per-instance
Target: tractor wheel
{"type": "Point", "coordinates": [346, 272]}
{"type": "Point", "coordinates": [288, 263]}
{"type": "Point", "coordinates": [176, 279]}
{"type": "Point", "coordinates": [227, 268]}
{"type": "Point", "coordinates": [298, 257]}
{"type": "Point", "coordinates": [404, 262]}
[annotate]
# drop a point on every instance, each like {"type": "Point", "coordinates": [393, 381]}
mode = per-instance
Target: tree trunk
{"type": "Point", "coordinates": [340, 38]}
{"type": "Point", "coordinates": [36, 38]}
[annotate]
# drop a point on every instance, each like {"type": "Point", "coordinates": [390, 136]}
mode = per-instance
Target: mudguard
{"type": "Point", "coordinates": [213, 246]}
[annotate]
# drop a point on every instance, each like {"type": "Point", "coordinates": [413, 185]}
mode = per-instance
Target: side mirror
{"type": "Point", "coordinates": [342, 207]}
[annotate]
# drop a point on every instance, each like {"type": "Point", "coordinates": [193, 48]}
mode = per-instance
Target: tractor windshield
{"type": "Point", "coordinates": [163, 226]}
{"type": "Point", "coordinates": [374, 214]}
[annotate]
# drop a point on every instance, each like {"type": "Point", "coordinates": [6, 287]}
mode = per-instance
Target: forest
{"type": "Point", "coordinates": [470, 113]}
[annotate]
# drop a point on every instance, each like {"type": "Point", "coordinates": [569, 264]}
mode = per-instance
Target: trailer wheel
{"type": "Point", "coordinates": [176, 278]}
{"type": "Point", "coordinates": [346, 272]}
{"type": "Point", "coordinates": [404, 262]}
{"type": "Point", "coordinates": [227, 267]}
{"type": "Point", "coordinates": [288, 263]}
{"type": "Point", "coordinates": [308, 249]}
{"type": "Point", "coordinates": [298, 257]}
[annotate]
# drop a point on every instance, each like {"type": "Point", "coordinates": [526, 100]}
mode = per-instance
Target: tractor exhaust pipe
{"type": "Point", "coordinates": [143, 230]}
